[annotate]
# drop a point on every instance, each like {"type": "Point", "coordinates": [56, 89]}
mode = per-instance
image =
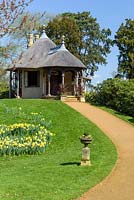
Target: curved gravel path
{"type": "Point", "coordinates": [119, 185]}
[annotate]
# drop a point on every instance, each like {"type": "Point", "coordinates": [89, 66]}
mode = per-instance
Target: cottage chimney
{"type": "Point", "coordinates": [36, 37]}
{"type": "Point", "coordinates": [30, 40]}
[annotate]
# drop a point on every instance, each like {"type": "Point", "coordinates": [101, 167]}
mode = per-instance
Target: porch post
{"type": "Point", "coordinates": [63, 80]}
{"type": "Point", "coordinates": [82, 82]}
{"type": "Point", "coordinates": [77, 84]}
{"type": "Point", "coordinates": [44, 84]}
{"type": "Point", "coordinates": [18, 85]}
{"type": "Point", "coordinates": [49, 82]}
{"type": "Point", "coordinates": [10, 85]}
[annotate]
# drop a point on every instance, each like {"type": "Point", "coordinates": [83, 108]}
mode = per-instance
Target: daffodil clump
{"type": "Point", "coordinates": [23, 138]}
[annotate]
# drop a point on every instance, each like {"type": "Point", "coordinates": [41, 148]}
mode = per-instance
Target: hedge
{"type": "Point", "coordinates": [115, 93]}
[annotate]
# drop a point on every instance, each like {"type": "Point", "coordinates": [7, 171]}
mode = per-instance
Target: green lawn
{"type": "Point", "coordinates": [55, 175]}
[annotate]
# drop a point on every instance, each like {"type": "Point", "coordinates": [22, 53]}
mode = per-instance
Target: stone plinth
{"type": "Point", "coordinates": [85, 161]}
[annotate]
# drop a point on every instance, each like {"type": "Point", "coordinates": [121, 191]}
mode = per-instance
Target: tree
{"type": "Point", "coordinates": [9, 11]}
{"type": "Point", "coordinates": [84, 38]}
{"type": "Point", "coordinates": [124, 39]}
{"type": "Point", "coordinates": [2, 73]}
{"type": "Point", "coordinates": [115, 93]}
{"type": "Point", "coordinates": [32, 24]}
{"type": "Point", "coordinates": [60, 26]}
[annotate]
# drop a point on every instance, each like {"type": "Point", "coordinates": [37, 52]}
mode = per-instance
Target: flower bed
{"type": "Point", "coordinates": [23, 138]}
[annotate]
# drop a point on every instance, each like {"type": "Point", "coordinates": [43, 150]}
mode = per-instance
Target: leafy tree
{"type": "Point", "coordinates": [124, 39]}
{"type": "Point", "coordinates": [84, 38]}
{"type": "Point", "coordinates": [60, 26]}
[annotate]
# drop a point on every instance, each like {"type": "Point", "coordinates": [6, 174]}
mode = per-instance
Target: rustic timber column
{"type": "Point", "coordinates": [44, 83]}
{"type": "Point", "coordinates": [63, 79]}
{"type": "Point", "coordinates": [82, 82]}
{"type": "Point", "coordinates": [77, 83]}
{"type": "Point", "coordinates": [10, 85]}
{"type": "Point", "coordinates": [18, 85]}
{"type": "Point", "coordinates": [49, 82]}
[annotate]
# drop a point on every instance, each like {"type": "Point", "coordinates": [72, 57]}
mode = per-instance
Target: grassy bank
{"type": "Point", "coordinates": [56, 174]}
{"type": "Point", "coordinates": [124, 117]}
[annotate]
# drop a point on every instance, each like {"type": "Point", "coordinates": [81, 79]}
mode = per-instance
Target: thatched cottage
{"type": "Point", "coordinates": [46, 70]}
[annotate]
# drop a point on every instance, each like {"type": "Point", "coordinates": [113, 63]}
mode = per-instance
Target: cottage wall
{"type": "Point", "coordinates": [32, 92]}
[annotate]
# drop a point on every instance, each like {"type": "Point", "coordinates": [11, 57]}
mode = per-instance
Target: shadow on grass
{"type": "Point", "coordinates": [70, 163]}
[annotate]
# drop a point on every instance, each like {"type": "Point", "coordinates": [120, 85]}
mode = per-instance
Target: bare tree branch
{"type": "Point", "coordinates": [9, 11]}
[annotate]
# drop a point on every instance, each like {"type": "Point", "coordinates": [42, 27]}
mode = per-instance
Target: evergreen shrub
{"type": "Point", "coordinates": [114, 93]}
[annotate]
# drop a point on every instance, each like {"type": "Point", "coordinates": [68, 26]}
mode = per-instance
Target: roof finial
{"type": "Point", "coordinates": [44, 35]}
{"type": "Point", "coordinates": [60, 47]}
{"type": "Point", "coordinates": [43, 27]}
{"type": "Point", "coordinates": [63, 43]}
{"type": "Point", "coordinates": [63, 39]}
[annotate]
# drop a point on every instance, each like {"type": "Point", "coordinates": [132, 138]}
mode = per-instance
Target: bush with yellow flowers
{"type": "Point", "coordinates": [23, 138]}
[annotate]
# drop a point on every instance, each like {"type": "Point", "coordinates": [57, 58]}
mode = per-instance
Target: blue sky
{"type": "Point", "coordinates": [109, 14]}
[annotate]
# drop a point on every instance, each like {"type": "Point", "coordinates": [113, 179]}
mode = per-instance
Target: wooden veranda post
{"type": "Point", "coordinates": [63, 80]}
{"type": "Point", "coordinates": [18, 84]}
{"type": "Point", "coordinates": [10, 85]}
{"type": "Point", "coordinates": [49, 82]}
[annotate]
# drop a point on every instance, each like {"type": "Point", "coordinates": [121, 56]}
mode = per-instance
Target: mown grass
{"type": "Point", "coordinates": [122, 116]}
{"type": "Point", "coordinates": [55, 175]}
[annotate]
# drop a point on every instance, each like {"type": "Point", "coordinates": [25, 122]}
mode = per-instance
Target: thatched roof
{"type": "Point", "coordinates": [62, 58]}
{"type": "Point", "coordinates": [31, 58]}
{"type": "Point", "coordinates": [44, 53]}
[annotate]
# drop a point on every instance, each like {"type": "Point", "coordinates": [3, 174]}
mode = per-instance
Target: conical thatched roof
{"type": "Point", "coordinates": [31, 58]}
{"type": "Point", "coordinates": [44, 53]}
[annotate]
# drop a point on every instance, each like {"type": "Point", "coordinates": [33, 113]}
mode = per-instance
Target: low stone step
{"type": "Point", "coordinates": [69, 98]}
{"type": "Point", "coordinates": [75, 100]}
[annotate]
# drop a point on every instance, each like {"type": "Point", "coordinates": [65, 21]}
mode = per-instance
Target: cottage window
{"type": "Point", "coordinates": [33, 79]}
